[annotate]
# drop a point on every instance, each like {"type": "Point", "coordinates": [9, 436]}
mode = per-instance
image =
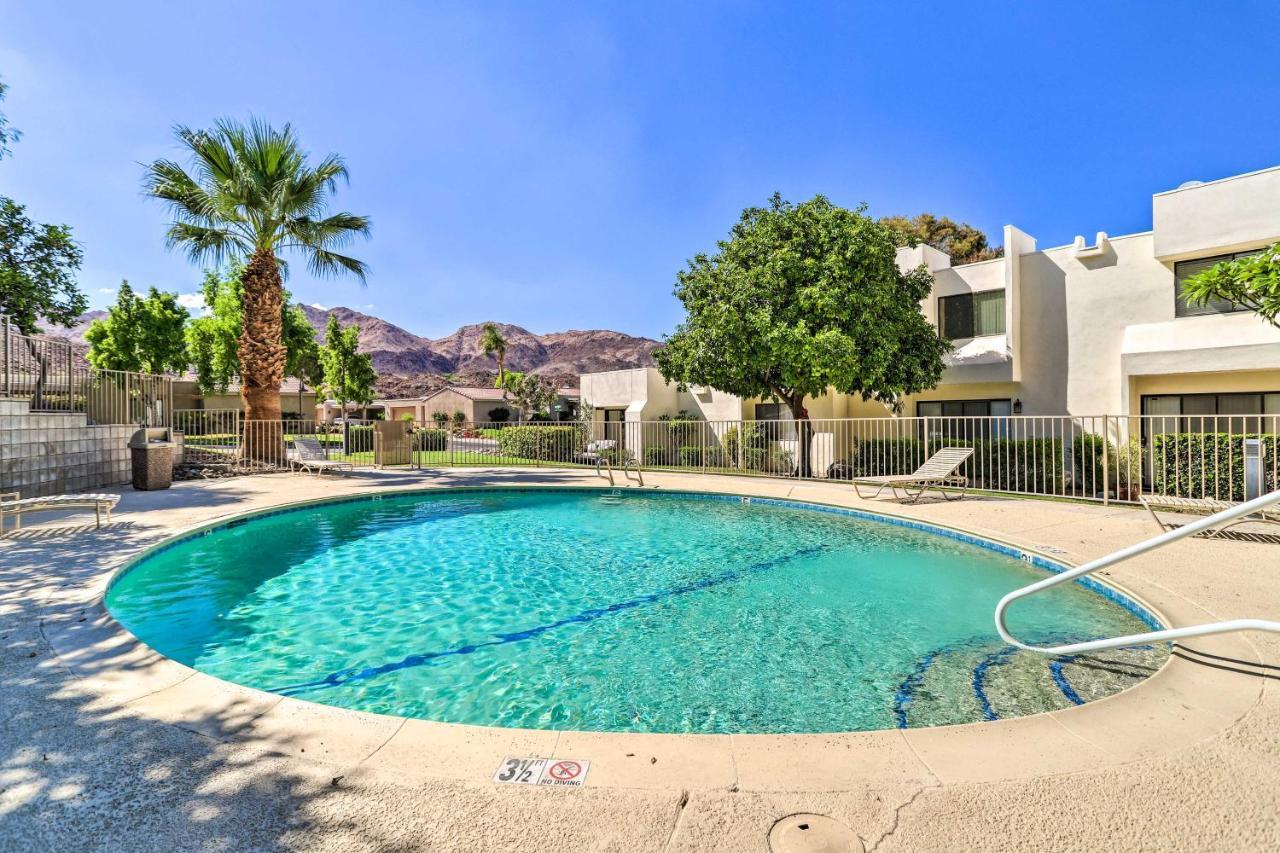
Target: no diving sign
{"type": "Point", "coordinates": [560, 772]}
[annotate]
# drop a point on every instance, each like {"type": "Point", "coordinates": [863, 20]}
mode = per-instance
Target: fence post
{"type": "Point", "coordinates": [1106, 462]}
{"type": "Point", "coordinates": [8, 368]}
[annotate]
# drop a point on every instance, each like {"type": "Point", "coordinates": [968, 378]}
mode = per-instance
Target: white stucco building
{"type": "Point", "coordinates": [1094, 327]}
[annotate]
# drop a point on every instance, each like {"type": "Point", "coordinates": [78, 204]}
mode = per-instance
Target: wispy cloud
{"type": "Point", "coordinates": [318, 306]}
{"type": "Point", "coordinates": [191, 301]}
{"type": "Point", "coordinates": [106, 291]}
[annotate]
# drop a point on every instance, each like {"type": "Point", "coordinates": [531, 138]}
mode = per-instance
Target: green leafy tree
{"type": "Point", "coordinates": [964, 243]}
{"type": "Point", "coordinates": [38, 265]}
{"type": "Point", "coordinates": [140, 334]}
{"type": "Point", "coordinates": [253, 195]}
{"type": "Point", "coordinates": [213, 340]}
{"type": "Point", "coordinates": [8, 133]}
{"type": "Point", "coordinates": [348, 373]}
{"type": "Point", "coordinates": [495, 345]}
{"type": "Point", "coordinates": [531, 395]}
{"type": "Point", "coordinates": [1251, 282]}
{"type": "Point", "coordinates": [799, 299]}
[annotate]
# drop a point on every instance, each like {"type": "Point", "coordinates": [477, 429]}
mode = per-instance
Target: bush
{"type": "Point", "coordinates": [431, 439]}
{"type": "Point", "coordinates": [656, 456]}
{"type": "Point", "coordinates": [559, 443]}
{"type": "Point", "coordinates": [440, 418]}
{"type": "Point", "coordinates": [876, 456]}
{"type": "Point", "coordinates": [359, 439]}
{"type": "Point", "coordinates": [499, 415]}
{"type": "Point", "coordinates": [1193, 465]}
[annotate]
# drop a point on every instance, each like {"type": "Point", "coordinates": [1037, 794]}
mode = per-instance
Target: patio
{"type": "Point", "coordinates": [107, 745]}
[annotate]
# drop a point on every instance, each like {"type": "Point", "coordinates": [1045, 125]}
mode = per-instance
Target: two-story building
{"type": "Point", "coordinates": [1089, 328]}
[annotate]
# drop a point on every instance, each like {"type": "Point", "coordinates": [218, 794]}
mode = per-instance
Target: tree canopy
{"type": "Point", "coordinates": [253, 195]}
{"type": "Point", "coordinates": [1251, 282]}
{"type": "Point", "coordinates": [799, 299]}
{"type": "Point", "coordinates": [8, 133]}
{"type": "Point", "coordinates": [964, 243]}
{"type": "Point", "coordinates": [142, 334]}
{"type": "Point", "coordinates": [38, 265]}
{"type": "Point", "coordinates": [348, 373]}
{"type": "Point", "coordinates": [213, 339]}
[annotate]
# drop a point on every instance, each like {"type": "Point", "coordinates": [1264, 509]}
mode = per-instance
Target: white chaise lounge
{"type": "Point", "coordinates": [937, 474]}
{"type": "Point", "coordinates": [13, 504]}
{"type": "Point", "coordinates": [1201, 506]}
{"type": "Point", "coordinates": [312, 457]}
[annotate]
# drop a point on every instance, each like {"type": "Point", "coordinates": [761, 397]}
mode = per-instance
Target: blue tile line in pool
{"type": "Point", "coordinates": [341, 677]}
{"type": "Point", "coordinates": [997, 658]}
{"type": "Point", "coordinates": [1060, 679]}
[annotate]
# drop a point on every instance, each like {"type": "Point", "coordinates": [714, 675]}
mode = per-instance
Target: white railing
{"type": "Point", "coordinates": [1236, 513]}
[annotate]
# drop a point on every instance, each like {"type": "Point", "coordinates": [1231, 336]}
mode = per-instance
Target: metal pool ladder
{"type": "Point", "coordinates": [1226, 627]}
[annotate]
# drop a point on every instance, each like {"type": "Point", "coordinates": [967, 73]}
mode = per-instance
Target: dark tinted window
{"type": "Point", "coordinates": [1184, 270]}
{"type": "Point", "coordinates": [969, 315]}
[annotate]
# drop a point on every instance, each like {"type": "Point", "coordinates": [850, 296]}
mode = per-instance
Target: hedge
{"type": "Point", "coordinates": [558, 443]}
{"type": "Point", "coordinates": [431, 439]}
{"type": "Point", "coordinates": [998, 464]}
{"type": "Point", "coordinates": [1211, 465]}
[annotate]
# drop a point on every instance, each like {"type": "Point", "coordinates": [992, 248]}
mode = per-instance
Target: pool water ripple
{"type": "Point", "coordinates": [663, 613]}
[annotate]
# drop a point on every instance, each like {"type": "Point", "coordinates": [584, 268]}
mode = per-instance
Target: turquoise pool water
{"type": "Point", "coordinates": [654, 612]}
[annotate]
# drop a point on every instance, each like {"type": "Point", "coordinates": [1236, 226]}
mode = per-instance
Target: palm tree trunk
{"type": "Point", "coordinates": [262, 357]}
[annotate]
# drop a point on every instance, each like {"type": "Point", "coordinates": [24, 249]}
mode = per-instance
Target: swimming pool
{"type": "Point", "coordinates": [648, 611]}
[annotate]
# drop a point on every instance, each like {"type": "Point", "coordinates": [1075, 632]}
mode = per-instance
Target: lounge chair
{"type": "Point", "coordinates": [594, 451]}
{"type": "Point", "coordinates": [937, 473]}
{"type": "Point", "coordinates": [12, 503]}
{"type": "Point", "coordinates": [312, 457]}
{"type": "Point", "coordinates": [1202, 506]}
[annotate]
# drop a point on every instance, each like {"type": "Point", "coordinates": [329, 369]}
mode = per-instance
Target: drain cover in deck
{"type": "Point", "coordinates": [812, 833]}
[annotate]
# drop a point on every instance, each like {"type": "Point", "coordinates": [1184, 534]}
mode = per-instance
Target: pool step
{"type": "Point", "coordinates": [989, 681]}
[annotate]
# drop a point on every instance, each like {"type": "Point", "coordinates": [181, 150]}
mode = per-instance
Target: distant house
{"type": "Point", "coordinates": [478, 405]}
{"type": "Point", "coordinates": [296, 400]}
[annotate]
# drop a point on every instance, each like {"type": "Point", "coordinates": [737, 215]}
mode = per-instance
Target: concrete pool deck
{"type": "Point", "coordinates": [107, 745]}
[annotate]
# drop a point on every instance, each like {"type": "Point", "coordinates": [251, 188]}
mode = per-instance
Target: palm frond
{"type": "Point", "coordinates": [324, 264]}
{"type": "Point", "coordinates": [249, 187]}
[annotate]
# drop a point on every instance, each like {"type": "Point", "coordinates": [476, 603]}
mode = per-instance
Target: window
{"type": "Point", "coordinates": [1184, 270]}
{"type": "Point", "coordinates": [969, 315]}
{"type": "Point", "coordinates": [956, 418]}
{"type": "Point", "coordinates": [1229, 413]}
{"type": "Point", "coordinates": [777, 412]}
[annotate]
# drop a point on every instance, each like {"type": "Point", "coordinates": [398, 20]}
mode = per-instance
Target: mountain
{"type": "Point", "coordinates": [408, 364]}
{"type": "Point", "coordinates": [559, 355]}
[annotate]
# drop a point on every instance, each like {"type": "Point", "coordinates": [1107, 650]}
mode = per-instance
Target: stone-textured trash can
{"type": "Point", "coordinates": [152, 454]}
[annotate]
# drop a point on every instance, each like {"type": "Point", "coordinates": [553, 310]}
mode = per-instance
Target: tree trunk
{"type": "Point", "coordinates": [262, 358]}
{"type": "Point", "coordinates": [803, 440]}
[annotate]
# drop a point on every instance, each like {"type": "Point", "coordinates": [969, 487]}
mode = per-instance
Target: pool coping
{"type": "Point", "coordinates": [1178, 705]}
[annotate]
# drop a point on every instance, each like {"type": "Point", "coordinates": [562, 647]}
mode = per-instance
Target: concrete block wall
{"type": "Point", "coordinates": [49, 454]}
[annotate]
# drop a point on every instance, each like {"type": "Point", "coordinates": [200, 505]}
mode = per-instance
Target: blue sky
{"type": "Point", "coordinates": [553, 165]}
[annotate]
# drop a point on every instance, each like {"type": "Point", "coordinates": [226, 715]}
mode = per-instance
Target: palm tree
{"type": "Point", "coordinates": [494, 344]}
{"type": "Point", "coordinates": [252, 195]}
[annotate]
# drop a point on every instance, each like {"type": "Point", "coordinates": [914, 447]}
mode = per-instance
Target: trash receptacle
{"type": "Point", "coordinates": [152, 454]}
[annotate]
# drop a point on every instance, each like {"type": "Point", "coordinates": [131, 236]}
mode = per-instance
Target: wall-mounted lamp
{"type": "Point", "coordinates": [1017, 406]}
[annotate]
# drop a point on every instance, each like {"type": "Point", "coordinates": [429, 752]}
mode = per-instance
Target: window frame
{"type": "Point", "coordinates": [1183, 421]}
{"type": "Point", "coordinates": [972, 297]}
{"type": "Point", "coordinates": [1183, 309]}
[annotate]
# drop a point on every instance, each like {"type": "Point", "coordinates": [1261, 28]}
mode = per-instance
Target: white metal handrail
{"type": "Point", "coordinates": [1236, 512]}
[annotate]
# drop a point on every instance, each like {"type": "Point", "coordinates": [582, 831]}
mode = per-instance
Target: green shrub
{"type": "Point", "coordinates": [559, 443]}
{"type": "Point", "coordinates": [1014, 465]}
{"type": "Point", "coordinates": [656, 456]}
{"type": "Point", "coordinates": [1193, 465]}
{"type": "Point", "coordinates": [876, 456]}
{"type": "Point", "coordinates": [359, 439]}
{"type": "Point", "coordinates": [431, 439]}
